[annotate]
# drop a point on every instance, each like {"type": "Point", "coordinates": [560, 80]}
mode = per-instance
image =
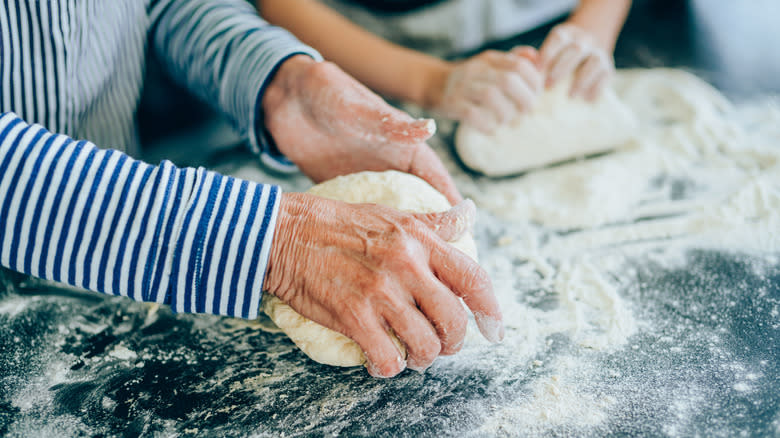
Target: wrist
{"type": "Point", "coordinates": [602, 20]}
{"type": "Point", "coordinates": [434, 84]}
{"type": "Point", "coordinates": [284, 82]}
{"type": "Point", "coordinates": [602, 38]}
{"type": "Point", "coordinates": [274, 277]}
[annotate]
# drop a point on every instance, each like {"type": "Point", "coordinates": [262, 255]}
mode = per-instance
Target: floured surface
{"type": "Point", "coordinates": [557, 129]}
{"type": "Point", "coordinates": [647, 304]}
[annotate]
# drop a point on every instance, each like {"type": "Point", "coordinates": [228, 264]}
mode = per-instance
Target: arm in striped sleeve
{"type": "Point", "coordinates": [227, 55]}
{"type": "Point", "coordinates": [99, 220]}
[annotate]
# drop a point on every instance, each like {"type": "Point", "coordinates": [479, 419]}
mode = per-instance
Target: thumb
{"type": "Point", "coordinates": [407, 130]}
{"type": "Point", "coordinates": [453, 223]}
{"type": "Point", "coordinates": [426, 165]}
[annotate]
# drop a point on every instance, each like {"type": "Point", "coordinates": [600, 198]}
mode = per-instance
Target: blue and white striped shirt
{"type": "Point", "coordinates": [98, 219]}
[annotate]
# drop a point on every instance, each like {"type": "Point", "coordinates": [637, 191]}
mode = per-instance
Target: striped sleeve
{"type": "Point", "coordinates": [226, 54]}
{"type": "Point", "coordinates": [99, 220]}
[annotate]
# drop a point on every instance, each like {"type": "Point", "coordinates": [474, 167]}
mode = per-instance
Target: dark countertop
{"type": "Point", "coordinates": [208, 376]}
{"type": "Point", "coordinates": [74, 364]}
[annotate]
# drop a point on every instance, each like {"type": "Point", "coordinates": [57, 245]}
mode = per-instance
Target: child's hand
{"type": "Point", "coordinates": [491, 88]}
{"type": "Point", "coordinates": [569, 49]}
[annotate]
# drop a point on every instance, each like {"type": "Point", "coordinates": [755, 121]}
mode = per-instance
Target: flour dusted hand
{"type": "Point", "coordinates": [558, 129]}
{"type": "Point", "coordinates": [569, 50]}
{"type": "Point", "coordinates": [368, 271]}
{"type": "Point", "coordinates": [329, 124]}
{"type": "Point", "coordinates": [491, 88]}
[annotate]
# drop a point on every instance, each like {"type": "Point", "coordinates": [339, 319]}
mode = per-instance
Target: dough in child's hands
{"type": "Point", "coordinates": [559, 128]}
{"type": "Point", "coordinates": [392, 189]}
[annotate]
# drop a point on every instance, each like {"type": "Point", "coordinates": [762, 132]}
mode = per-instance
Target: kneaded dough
{"type": "Point", "coordinates": [558, 129]}
{"type": "Point", "coordinates": [393, 189]}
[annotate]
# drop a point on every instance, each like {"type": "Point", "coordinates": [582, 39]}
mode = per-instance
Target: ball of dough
{"type": "Point", "coordinates": [558, 129]}
{"type": "Point", "coordinates": [392, 189]}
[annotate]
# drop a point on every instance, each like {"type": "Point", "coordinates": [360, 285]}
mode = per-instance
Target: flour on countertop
{"type": "Point", "coordinates": [639, 291]}
{"type": "Point", "coordinates": [701, 173]}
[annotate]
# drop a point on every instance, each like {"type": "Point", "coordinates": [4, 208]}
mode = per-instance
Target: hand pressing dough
{"type": "Point", "coordinates": [559, 128]}
{"type": "Point", "coordinates": [392, 189]}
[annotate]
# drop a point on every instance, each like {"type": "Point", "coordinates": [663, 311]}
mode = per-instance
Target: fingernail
{"type": "Point", "coordinates": [491, 328]}
{"type": "Point", "coordinates": [429, 125]}
{"type": "Point", "coordinates": [374, 371]}
{"type": "Point", "coordinates": [459, 346]}
{"type": "Point", "coordinates": [415, 367]}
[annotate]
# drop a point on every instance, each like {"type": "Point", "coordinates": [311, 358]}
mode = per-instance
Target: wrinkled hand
{"type": "Point", "coordinates": [491, 88]}
{"type": "Point", "coordinates": [363, 269]}
{"type": "Point", "coordinates": [569, 49]}
{"type": "Point", "coordinates": [329, 125]}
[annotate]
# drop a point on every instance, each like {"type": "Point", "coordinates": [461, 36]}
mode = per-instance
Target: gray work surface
{"type": "Point", "coordinates": [75, 364]}
{"type": "Point", "coordinates": [188, 373]}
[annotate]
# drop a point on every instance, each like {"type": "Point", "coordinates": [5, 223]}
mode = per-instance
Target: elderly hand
{"type": "Point", "coordinates": [362, 269]}
{"type": "Point", "coordinates": [491, 88]}
{"type": "Point", "coordinates": [329, 125]}
{"type": "Point", "coordinates": [569, 49]}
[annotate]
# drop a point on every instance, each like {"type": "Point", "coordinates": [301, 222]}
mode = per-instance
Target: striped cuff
{"type": "Point", "coordinates": [222, 251]}
{"type": "Point", "coordinates": [99, 220]}
{"type": "Point", "coordinates": [225, 53]}
{"type": "Point", "coordinates": [264, 63]}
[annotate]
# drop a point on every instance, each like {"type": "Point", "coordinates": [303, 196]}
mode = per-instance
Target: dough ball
{"type": "Point", "coordinates": [393, 189]}
{"type": "Point", "coordinates": [558, 129]}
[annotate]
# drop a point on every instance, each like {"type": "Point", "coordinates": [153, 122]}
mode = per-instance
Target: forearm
{"type": "Point", "coordinates": [99, 220]}
{"type": "Point", "coordinates": [602, 18]}
{"type": "Point", "coordinates": [223, 52]}
{"type": "Point", "coordinates": [387, 68]}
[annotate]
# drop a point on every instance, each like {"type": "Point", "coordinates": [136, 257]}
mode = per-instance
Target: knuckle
{"type": "Point", "coordinates": [506, 81]}
{"type": "Point", "coordinates": [476, 277]}
{"type": "Point", "coordinates": [409, 223]}
{"type": "Point", "coordinates": [459, 322]}
{"type": "Point", "coordinates": [357, 313]}
{"type": "Point", "coordinates": [454, 331]}
{"type": "Point", "coordinates": [395, 305]}
{"type": "Point", "coordinates": [524, 65]}
{"type": "Point", "coordinates": [403, 250]}
{"type": "Point", "coordinates": [581, 45]}
{"type": "Point", "coordinates": [431, 350]}
{"type": "Point", "coordinates": [493, 95]}
{"type": "Point", "coordinates": [380, 283]}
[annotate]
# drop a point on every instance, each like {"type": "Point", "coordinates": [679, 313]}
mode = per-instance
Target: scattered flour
{"type": "Point", "coordinates": [701, 173]}
{"type": "Point", "coordinates": [595, 341]}
{"type": "Point", "coordinates": [122, 353]}
{"type": "Point", "coordinates": [556, 399]}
